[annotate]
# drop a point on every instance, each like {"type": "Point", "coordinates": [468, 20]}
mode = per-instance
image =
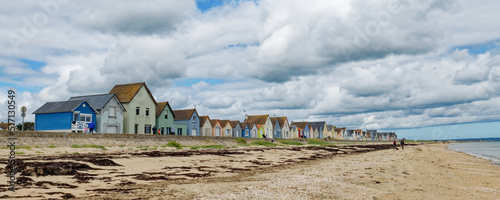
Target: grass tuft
{"type": "Point", "coordinates": [38, 152]}
{"type": "Point", "coordinates": [263, 143]}
{"type": "Point", "coordinates": [240, 141]}
{"type": "Point", "coordinates": [290, 142]}
{"type": "Point", "coordinates": [19, 153]}
{"type": "Point", "coordinates": [172, 144]}
{"type": "Point", "coordinates": [89, 146]}
{"type": "Point", "coordinates": [51, 146]}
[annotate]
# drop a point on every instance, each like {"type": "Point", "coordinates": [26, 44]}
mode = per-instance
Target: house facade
{"type": "Point", "coordinates": [302, 129]}
{"type": "Point", "coordinates": [227, 129]}
{"type": "Point", "coordinates": [109, 116]}
{"type": "Point", "coordinates": [205, 126]}
{"type": "Point", "coordinates": [277, 128]}
{"type": "Point", "coordinates": [164, 119]}
{"type": "Point", "coordinates": [180, 129]}
{"type": "Point", "coordinates": [245, 130]}
{"type": "Point", "coordinates": [190, 118]}
{"type": "Point", "coordinates": [64, 116]}
{"type": "Point", "coordinates": [140, 107]}
{"type": "Point", "coordinates": [236, 128]}
{"type": "Point", "coordinates": [262, 120]}
{"type": "Point", "coordinates": [216, 127]}
{"type": "Point", "coordinates": [318, 127]}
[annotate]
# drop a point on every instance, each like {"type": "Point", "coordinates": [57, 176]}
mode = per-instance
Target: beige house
{"type": "Point", "coordinates": [205, 126]}
{"type": "Point", "coordinates": [139, 116]}
{"type": "Point", "coordinates": [227, 128]}
{"type": "Point", "coordinates": [263, 120]}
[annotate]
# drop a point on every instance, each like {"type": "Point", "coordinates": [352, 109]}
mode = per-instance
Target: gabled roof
{"type": "Point", "coordinates": [184, 114]}
{"type": "Point", "coordinates": [161, 106]}
{"type": "Point", "coordinates": [282, 121]}
{"type": "Point", "coordinates": [319, 125]}
{"type": "Point", "coordinates": [258, 119]}
{"type": "Point", "coordinates": [301, 125]}
{"type": "Point", "coordinates": [126, 92]}
{"type": "Point", "coordinates": [61, 106]}
{"type": "Point", "coordinates": [329, 127]}
{"type": "Point", "coordinates": [273, 120]}
{"type": "Point", "coordinates": [224, 122]}
{"type": "Point", "coordinates": [98, 100]}
{"type": "Point", "coordinates": [214, 122]}
{"type": "Point", "coordinates": [203, 119]}
{"type": "Point", "coordinates": [235, 123]}
{"type": "Point", "coordinates": [244, 125]}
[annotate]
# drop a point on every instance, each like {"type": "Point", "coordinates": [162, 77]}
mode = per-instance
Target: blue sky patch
{"type": "Point", "coordinates": [189, 82]}
{"type": "Point", "coordinates": [481, 48]}
{"type": "Point", "coordinates": [206, 5]}
{"type": "Point", "coordinates": [35, 65]}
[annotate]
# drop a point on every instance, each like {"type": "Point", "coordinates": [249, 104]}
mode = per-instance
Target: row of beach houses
{"type": "Point", "coordinates": [131, 108]}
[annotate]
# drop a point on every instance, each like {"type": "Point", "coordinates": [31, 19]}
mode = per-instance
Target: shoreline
{"type": "Point", "coordinates": [493, 160]}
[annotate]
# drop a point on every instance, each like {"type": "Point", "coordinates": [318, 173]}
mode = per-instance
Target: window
{"type": "Point", "coordinates": [179, 131]}
{"type": "Point", "coordinates": [147, 111]}
{"type": "Point", "coordinates": [112, 111]}
{"type": "Point", "coordinates": [75, 116]}
{"type": "Point", "coordinates": [169, 131]}
{"type": "Point", "coordinates": [166, 115]}
{"type": "Point", "coordinates": [136, 110]}
{"type": "Point", "coordinates": [194, 118]}
{"type": "Point", "coordinates": [227, 132]}
{"type": "Point", "coordinates": [86, 118]}
{"type": "Point", "coordinates": [135, 128]}
{"type": "Point", "coordinates": [147, 129]}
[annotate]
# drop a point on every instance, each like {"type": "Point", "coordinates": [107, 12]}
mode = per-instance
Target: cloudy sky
{"type": "Point", "coordinates": [427, 69]}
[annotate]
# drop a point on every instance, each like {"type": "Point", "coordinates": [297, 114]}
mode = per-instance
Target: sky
{"type": "Point", "coordinates": [425, 69]}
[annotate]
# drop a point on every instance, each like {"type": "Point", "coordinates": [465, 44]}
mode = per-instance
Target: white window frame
{"type": "Point", "coordinates": [85, 117]}
{"type": "Point", "coordinates": [112, 111]}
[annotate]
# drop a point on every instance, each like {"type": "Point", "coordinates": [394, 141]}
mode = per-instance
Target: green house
{"type": "Point", "coordinates": [164, 119]}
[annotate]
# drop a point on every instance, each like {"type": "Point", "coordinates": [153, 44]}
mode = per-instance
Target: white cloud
{"type": "Point", "coordinates": [368, 64]}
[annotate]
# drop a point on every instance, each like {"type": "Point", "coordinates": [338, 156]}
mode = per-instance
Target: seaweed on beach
{"type": "Point", "coordinates": [48, 168]}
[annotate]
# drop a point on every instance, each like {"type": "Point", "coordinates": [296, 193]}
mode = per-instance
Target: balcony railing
{"type": "Point", "coordinates": [79, 126]}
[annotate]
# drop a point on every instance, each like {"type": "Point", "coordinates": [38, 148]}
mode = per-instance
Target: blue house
{"type": "Point", "coordinates": [245, 130]}
{"type": "Point", "coordinates": [190, 118]}
{"type": "Point", "coordinates": [320, 126]}
{"type": "Point", "coordinates": [276, 127]}
{"type": "Point", "coordinates": [64, 116]}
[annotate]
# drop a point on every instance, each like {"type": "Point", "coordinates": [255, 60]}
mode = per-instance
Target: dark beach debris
{"type": "Point", "coordinates": [218, 152]}
{"type": "Point", "coordinates": [68, 196]}
{"type": "Point", "coordinates": [48, 168]}
{"type": "Point", "coordinates": [24, 181]}
{"type": "Point", "coordinates": [122, 190]}
{"type": "Point", "coordinates": [102, 162]}
{"type": "Point", "coordinates": [124, 183]}
{"type": "Point", "coordinates": [84, 177]}
{"type": "Point", "coordinates": [58, 185]}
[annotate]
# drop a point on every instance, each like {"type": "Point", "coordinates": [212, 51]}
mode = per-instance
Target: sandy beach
{"type": "Point", "coordinates": [428, 171]}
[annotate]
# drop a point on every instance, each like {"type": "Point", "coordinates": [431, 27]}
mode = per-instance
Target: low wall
{"type": "Point", "coordinates": [43, 139]}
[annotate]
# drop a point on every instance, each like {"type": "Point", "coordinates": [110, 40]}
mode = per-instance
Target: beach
{"type": "Point", "coordinates": [429, 171]}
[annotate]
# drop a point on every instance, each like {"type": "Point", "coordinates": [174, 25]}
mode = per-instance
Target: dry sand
{"type": "Point", "coordinates": [418, 172]}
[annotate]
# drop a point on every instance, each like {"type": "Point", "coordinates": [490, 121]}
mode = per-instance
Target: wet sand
{"type": "Point", "coordinates": [287, 172]}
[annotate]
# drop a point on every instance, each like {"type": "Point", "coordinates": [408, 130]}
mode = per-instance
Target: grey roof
{"type": "Point", "coordinates": [329, 127]}
{"type": "Point", "coordinates": [61, 106]}
{"type": "Point", "coordinates": [319, 125]}
{"type": "Point", "coordinates": [98, 100]}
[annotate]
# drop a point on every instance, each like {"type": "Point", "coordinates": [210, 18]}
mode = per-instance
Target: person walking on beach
{"type": "Point", "coordinates": [402, 144]}
{"type": "Point", "coordinates": [394, 143]}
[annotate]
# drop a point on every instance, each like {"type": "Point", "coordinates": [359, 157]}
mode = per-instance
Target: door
{"type": "Point", "coordinates": [193, 132]}
{"type": "Point", "coordinates": [111, 129]}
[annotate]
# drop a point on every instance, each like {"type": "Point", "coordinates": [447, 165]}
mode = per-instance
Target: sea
{"type": "Point", "coordinates": [486, 150]}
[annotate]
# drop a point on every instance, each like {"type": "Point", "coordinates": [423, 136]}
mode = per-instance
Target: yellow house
{"type": "Point", "coordinates": [140, 107]}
